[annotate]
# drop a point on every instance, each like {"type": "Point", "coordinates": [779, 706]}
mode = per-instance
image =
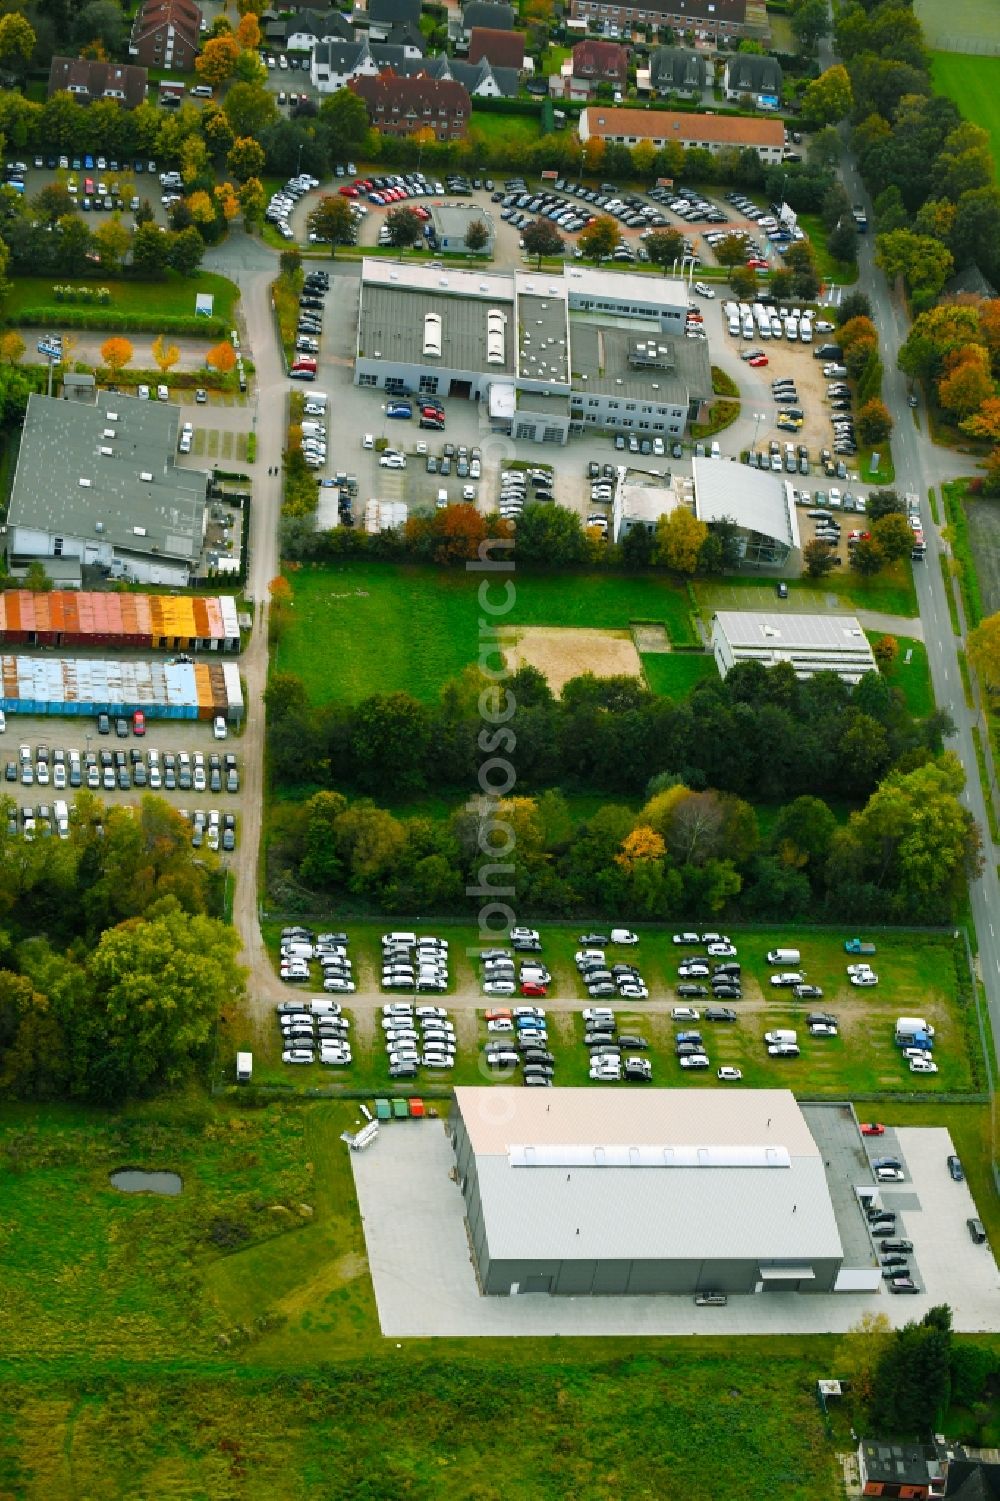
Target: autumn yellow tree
{"type": "Point", "coordinates": [641, 845]}
{"type": "Point", "coordinates": [194, 159]}
{"type": "Point", "coordinates": [116, 353]}
{"type": "Point", "coordinates": [12, 348]}
{"type": "Point", "coordinates": [986, 422]}
{"type": "Point", "coordinates": [227, 200]}
{"type": "Point", "coordinates": [248, 32]}
{"type": "Point", "coordinates": [659, 811]}
{"type": "Point", "coordinates": [679, 537]}
{"type": "Point", "coordinates": [201, 207]}
{"type": "Point", "coordinates": [983, 649]}
{"type": "Point", "coordinates": [218, 58]}
{"type": "Point", "coordinates": [968, 383]}
{"type": "Point", "coordinates": [166, 355]}
{"type": "Point", "coordinates": [222, 357]}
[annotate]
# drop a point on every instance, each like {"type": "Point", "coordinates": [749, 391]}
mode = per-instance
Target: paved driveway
{"type": "Point", "coordinates": [413, 1215]}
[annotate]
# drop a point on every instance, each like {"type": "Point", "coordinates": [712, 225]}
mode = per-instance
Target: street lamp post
{"type": "Point", "coordinates": [758, 418]}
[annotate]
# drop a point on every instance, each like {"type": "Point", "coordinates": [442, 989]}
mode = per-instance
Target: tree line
{"type": "Point", "coordinates": [695, 845]}
{"type": "Point", "coordinates": [113, 972]}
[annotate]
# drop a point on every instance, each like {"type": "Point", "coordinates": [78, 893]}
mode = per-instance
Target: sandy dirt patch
{"type": "Point", "coordinates": [562, 653]}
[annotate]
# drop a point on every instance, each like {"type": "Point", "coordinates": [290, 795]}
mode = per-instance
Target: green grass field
{"type": "Point", "coordinates": [364, 628]}
{"type": "Point", "coordinates": [891, 591]}
{"type": "Point", "coordinates": [174, 296]}
{"type": "Point", "coordinates": [973, 83]}
{"type": "Point", "coordinates": [674, 674]}
{"type": "Point", "coordinates": [515, 130]}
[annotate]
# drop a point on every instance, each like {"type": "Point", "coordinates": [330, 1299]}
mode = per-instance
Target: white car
{"type": "Point", "coordinates": [500, 1024]}
{"type": "Point", "coordinates": [499, 987]}
{"type": "Point", "coordinates": [922, 1066]}
{"type": "Point", "coordinates": [864, 980]}
{"type": "Point", "coordinates": [729, 1073]}
{"type": "Point", "coordinates": [704, 291]}
{"type": "Point", "coordinates": [336, 985]}
{"type": "Point", "coordinates": [687, 938]}
{"type": "Point", "coordinates": [685, 1014]}
{"type": "Point", "coordinates": [368, 441]}
{"type": "Point", "coordinates": [695, 1060]}
{"type": "Point", "coordinates": [393, 461]}
{"type": "Point", "coordinates": [298, 1055]}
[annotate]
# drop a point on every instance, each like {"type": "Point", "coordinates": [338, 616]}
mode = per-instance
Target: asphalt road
{"type": "Point", "coordinates": [920, 465]}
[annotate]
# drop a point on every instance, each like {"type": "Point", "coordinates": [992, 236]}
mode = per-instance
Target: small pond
{"type": "Point", "coordinates": [132, 1180]}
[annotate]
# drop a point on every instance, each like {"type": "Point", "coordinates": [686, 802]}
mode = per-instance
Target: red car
{"type": "Point", "coordinates": [872, 1128]}
{"type": "Point", "coordinates": [498, 1013]}
{"type": "Point", "coordinates": [757, 264]}
{"type": "Point", "coordinates": [531, 987]}
{"type": "Point", "coordinates": [348, 192]}
{"type": "Point", "coordinates": [758, 361]}
{"type": "Point", "coordinates": [138, 722]}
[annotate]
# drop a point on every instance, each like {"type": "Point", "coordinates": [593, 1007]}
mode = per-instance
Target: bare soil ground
{"type": "Point", "coordinates": [650, 638]}
{"type": "Point", "coordinates": [564, 653]}
{"type": "Point", "coordinates": [984, 533]}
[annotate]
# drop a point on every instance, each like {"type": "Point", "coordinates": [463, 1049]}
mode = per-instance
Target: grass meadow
{"type": "Point", "coordinates": [362, 628]}
{"type": "Point", "coordinates": [175, 295]}
{"type": "Point", "coordinates": [973, 83]}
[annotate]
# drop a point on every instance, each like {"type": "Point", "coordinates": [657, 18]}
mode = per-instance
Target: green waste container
{"type": "Point", "coordinates": [383, 1110]}
{"type": "Point", "coordinates": [401, 1109]}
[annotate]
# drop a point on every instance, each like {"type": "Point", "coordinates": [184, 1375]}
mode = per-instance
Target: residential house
{"type": "Point", "coordinates": [166, 34]}
{"type": "Point", "coordinates": [679, 70]}
{"type": "Point", "coordinates": [482, 79]}
{"type": "Point", "coordinates": [593, 63]}
{"type": "Point", "coordinates": [911, 1472]}
{"type": "Point", "coordinates": [334, 64]}
{"type": "Point", "coordinates": [383, 15]}
{"type": "Point", "coordinates": [88, 81]}
{"type": "Point", "coordinates": [711, 19]}
{"type": "Point", "coordinates": [504, 49]}
{"type": "Point", "coordinates": [712, 132]}
{"type": "Point", "coordinates": [409, 37]}
{"type": "Point", "coordinates": [753, 76]}
{"type": "Point", "coordinates": [304, 31]}
{"type": "Point", "coordinates": [402, 106]}
{"type": "Point", "coordinates": [492, 17]}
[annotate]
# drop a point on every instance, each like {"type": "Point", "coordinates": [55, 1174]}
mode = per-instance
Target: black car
{"type": "Point", "coordinates": [720, 1014]}
{"type": "Point", "coordinates": [632, 1040]}
{"type": "Point", "coordinates": [593, 938]}
{"type": "Point", "coordinates": [121, 729]}
{"type": "Point", "coordinates": [955, 1169]}
{"type": "Point", "coordinates": [690, 991]}
{"type": "Point", "coordinates": [897, 1245]}
{"type": "Point", "coordinates": [727, 992]}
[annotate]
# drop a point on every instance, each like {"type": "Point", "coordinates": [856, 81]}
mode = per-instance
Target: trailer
{"type": "Point", "coordinates": [856, 946]}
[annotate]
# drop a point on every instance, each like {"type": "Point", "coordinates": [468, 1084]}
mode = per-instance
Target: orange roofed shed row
{"type": "Point", "coordinates": [142, 622]}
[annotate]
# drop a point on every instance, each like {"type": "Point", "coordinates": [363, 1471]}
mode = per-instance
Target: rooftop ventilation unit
{"type": "Point", "coordinates": [112, 416]}
{"type": "Point", "coordinates": [147, 475]}
{"type": "Point", "coordinates": [98, 526]}
{"type": "Point", "coordinates": [138, 531]}
{"type": "Point", "coordinates": [108, 432]}
{"type": "Point", "coordinates": [85, 484]}
{"type": "Point", "coordinates": [432, 335]}
{"type": "Point", "coordinates": [107, 452]}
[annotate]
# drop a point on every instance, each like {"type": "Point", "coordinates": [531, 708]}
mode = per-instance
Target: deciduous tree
{"type": "Point", "coordinates": [17, 40]}
{"type": "Point", "coordinates": [112, 241]}
{"type": "Point", "coordinates": [679, 539]}
{"type": "Point", "coordinates": [829, 98]}
{"type": "Point", "coordinates": [894, 536]}
{"type": "Point", "coordinates": [246, 157]}
{"type": "Point", "coordinates": [116, 353]}
{"type": "Point", "coordinates": [541, 238]}
{"type": "Point", "coordinates": [332, 221]}
{"type": "Point", "coordinates": [217, 59]}
{"type": "Point", "coordinates": [477, 235]}
{"type": "Point", "coordinates": [968, 382]}
{"type": "Point", "coordinates": [874, 422]}
{"type": "Point", "coordinates": [166, 355]}
{"type": "Point", "coordinates": [599, 239]}
{"type": "Point", "coordinates": [12, 348]}
{"type": "Point", "coordinates": [664, 247]}
{"type": "Point", "coordinates": [222, 357]}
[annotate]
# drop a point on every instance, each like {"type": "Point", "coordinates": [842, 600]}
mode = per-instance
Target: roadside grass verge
{"type": "Point", "coordinates": [932, 502]}
{"type": "Point", "coordinates": [948, 575]}
{"type": "Point", "coordinates": [285, 292]}
{"type": "Point", "coordinates": [985, 779]}
{"type": "Point", "coordinates": [954, 495]}
{"type": "Point", "coordinates": [843, 273]}
{"type": "Point", "coordinates": [362, 628]}
{"type": "Point", "coordinates": [912, 677]}
{"type": "Point", "coordinates": [885, 474]}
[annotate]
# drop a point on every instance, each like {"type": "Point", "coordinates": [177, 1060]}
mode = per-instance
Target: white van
{"type": "Point", "coordinates": [402, 940]}
{"type": "Point", "coordinates": [904, 1024]}
{"type": "Point", "coordinates": [442, 499]}
{"type": "Point", "coordinates": [734, 327]}
{"type": "Point", "coordinates": [783, 1036]}
{"type": "Point", "coordinates": [783, 956]}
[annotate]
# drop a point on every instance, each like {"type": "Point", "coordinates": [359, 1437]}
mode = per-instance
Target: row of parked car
{"type": "Point", "coordinates": [412, 963]}
{"type": "Point", "coordinates": [514, 487]}
{"type": "Point", "coordinates": [284, 200]}
{"type": "Point", "coordinates": [417, 1037]}
{"type": "Point", "coordinates": [112, 770]}
{"type": "Point", "coordinates": [614, 1055]}
{"type": "Point", "coordinates": [893, 1252]}
{"type": "Point", "coordinates": [314, 1031]}
{"type": "Point", "coordinates": [301, 947]}
{"type": "Point", "coordinates": [518, 1038]}
{"type": "Point", "coordinates": [604, 980]}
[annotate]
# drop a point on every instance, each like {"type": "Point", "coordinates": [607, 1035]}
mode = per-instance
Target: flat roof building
{"type": "Point", "coordinates": [761, 504]}
{"type": "Point", "coordinates": [629, 294]}
{"type": "Point", "coordinates": [811, 643]}
{"type": "Point", "coordinates": [84, 686]}
{"type": "Point", "coordinates": [577, 1192]}
{"type": "Point", "coordinates": [96, 480]}
{"type": "Point", "coordinates": [451, 221]}
{"type": "Point", "coordinates": [140, 622]}
{"type": "Point", "coordinates": [509, 339]}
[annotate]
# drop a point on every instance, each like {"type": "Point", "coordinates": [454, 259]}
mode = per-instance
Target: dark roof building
{"type": "Point", "coordinates": [388, 13]}
{"type": "Point", "coordinates": [87, 81]}
{"type": "Point", "coordinates": [677, 70]}
{"type": "Point", "coordinates": [482, 80]}
{"type": "Point", "coordinates": [716, 18]}
{"type": "Point", "coordinates": [402, 106]}
{"type": "Point", "coordinates": [505, 49]}
{"type": "Point", "coordinates": [912, 1470]}
{"type": "Point", "coordinates": [750, 73]}
{"type": "Point", "coordinates": [484, 13]}
{"type": "Point", "coordinates": [303, 31]}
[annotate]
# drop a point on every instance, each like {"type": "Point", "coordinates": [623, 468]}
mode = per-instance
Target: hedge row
{"type": "Point", "coordinates": [69, 316]}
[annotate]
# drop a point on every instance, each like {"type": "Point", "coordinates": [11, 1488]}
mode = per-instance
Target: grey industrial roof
{"type": "Point", "coordinates": [773, 1205]}
{"type": "Point", "coordinates": [757, 501]}
{"type": "Point", "coordinates": [451, 220]}
{"type": "Point", "coordinates": [542, 335]}
{"type": "Point", "coordinates": [668, 292]}
{"type": "Point", "coordinates": [798, 633]}
{"type": "Point", "coordinates": [535, 401]}
{"type": "Point", "coordinates": [391, 325]}
{"type": "Point", "coordinates": [601, 354]}
{"type": "Point", "coordinates": [61, 445]}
